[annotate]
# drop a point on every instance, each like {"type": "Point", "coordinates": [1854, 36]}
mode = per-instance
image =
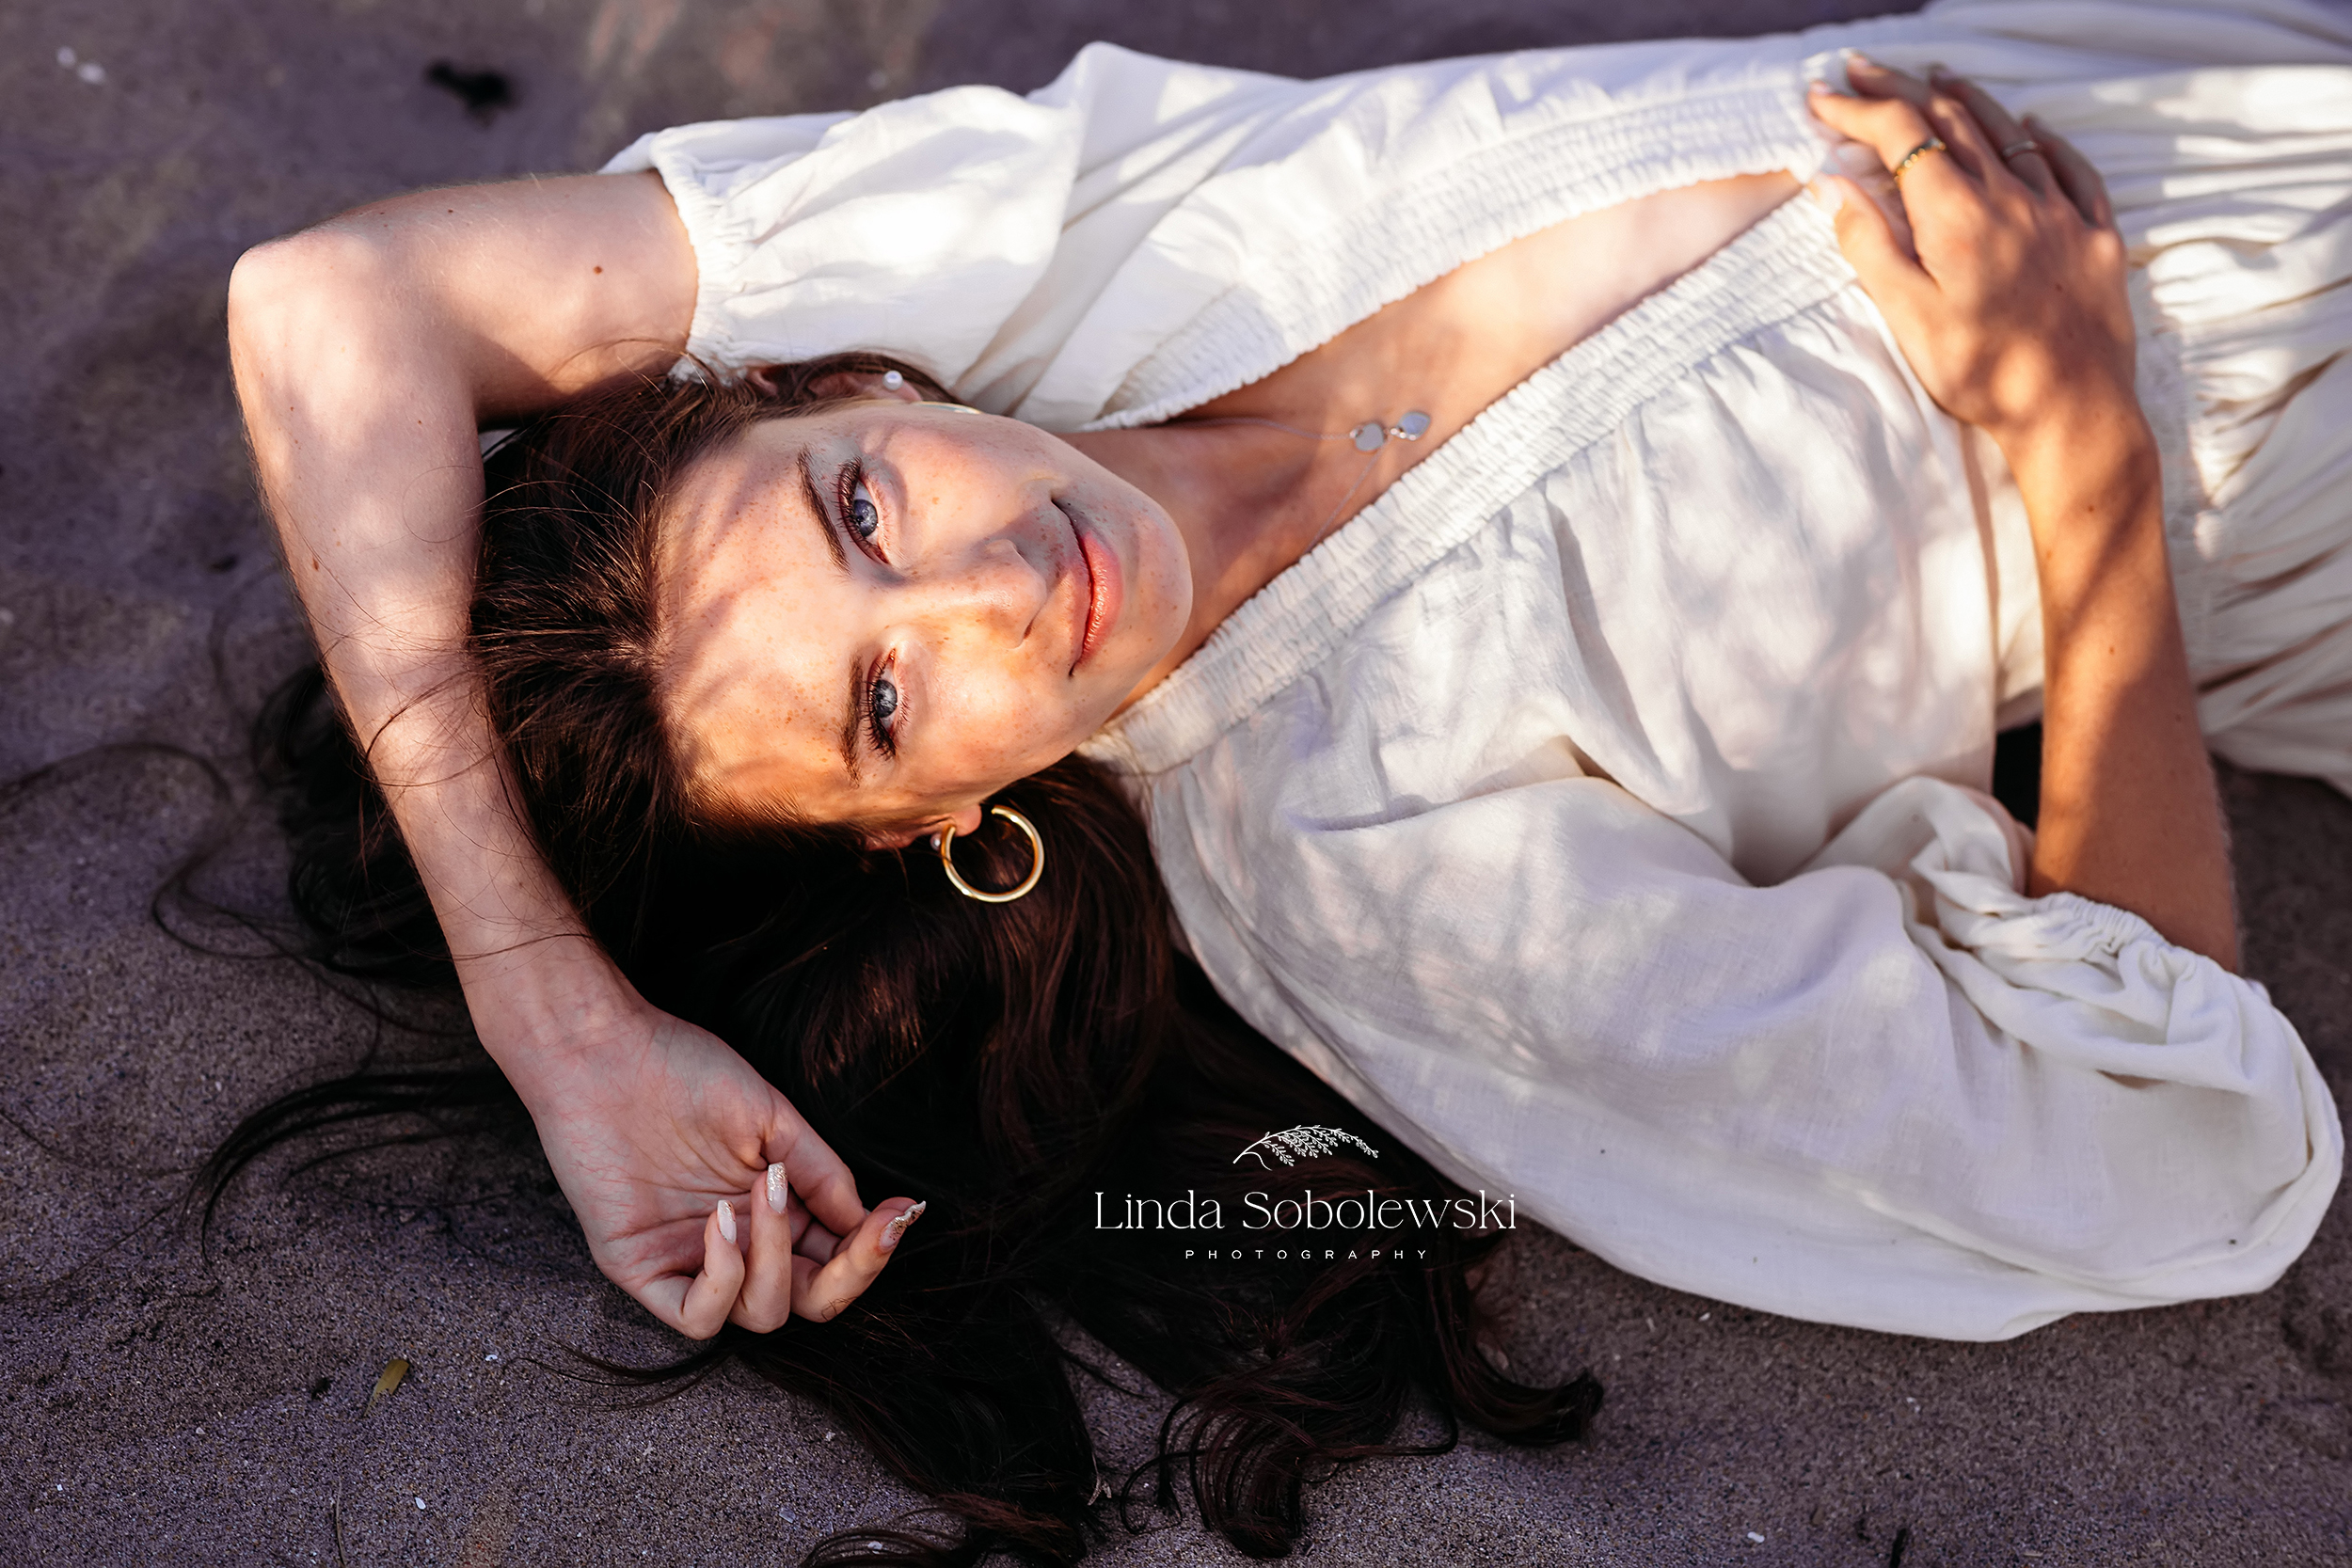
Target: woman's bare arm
{"type": "Point", "coordinates": [2015, 319]}
{"type": "Point", "coordinates": [368, 352]}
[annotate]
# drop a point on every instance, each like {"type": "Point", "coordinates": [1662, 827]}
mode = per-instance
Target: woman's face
{"type": "Point", "coordinates": [884, 613]}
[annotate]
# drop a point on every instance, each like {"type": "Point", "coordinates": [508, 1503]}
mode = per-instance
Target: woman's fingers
{"type": "Point", "coordinates": [2077, 176]}
{"type": "Point", "coordinates": [2001, 129]}
{"type": "Point", "coordinates": [813, 1170]}
{"type": "Point", "coordinates": [1874, 80]}
{"type": "Point", "coordinates": [1941, 116]}
{"type": "Point", "coordinates": [1881, 258]}
{"type": "Point", "coordinates": [1897, 131]}
{"type": "Point", "coordinates": [752, 1276]}
{"type": "Point", "coordinates": [755, 1275]}
{"type": "Point", "coordinates": [817, 1244]}
{"type": "Point", "coordinates": [1891, 127]}
{"type": "Point", "coordinates": [820, 1292]}
{"type": "Point", "coordinates": [699, 1308]}
{"type": "Point", "coordinates": [766, 1299]}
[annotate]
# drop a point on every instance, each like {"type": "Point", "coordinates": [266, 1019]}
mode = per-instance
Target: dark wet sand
{"type": "Point", "coordinates": [156, 1409]}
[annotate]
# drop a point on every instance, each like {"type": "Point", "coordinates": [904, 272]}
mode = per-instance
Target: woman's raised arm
{"type": "Point", "coordinates": [368, 353]}
{"type": "Point", "coordinates": [2013, 315]}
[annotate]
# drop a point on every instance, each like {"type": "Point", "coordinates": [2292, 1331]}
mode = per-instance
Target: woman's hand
{"type": "Point", "coordinates": [702, 1191]}
{"type": "Point", "coordinates": [2013, 314]}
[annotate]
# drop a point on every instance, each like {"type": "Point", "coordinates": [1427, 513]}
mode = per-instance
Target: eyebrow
{"type": "Point", "coordinates": [849, 726]}
{"type": "Point", "coordinates": [824, 518]}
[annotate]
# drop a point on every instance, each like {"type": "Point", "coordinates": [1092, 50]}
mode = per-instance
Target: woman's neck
{"type": "Point", "coordinates": [1246, 498]}
{"type": "Point", "coordinates": [1250, 500]}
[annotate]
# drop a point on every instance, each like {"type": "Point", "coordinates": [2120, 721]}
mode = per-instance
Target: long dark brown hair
{"type": "Point", "coordinates": [1008, 1062]}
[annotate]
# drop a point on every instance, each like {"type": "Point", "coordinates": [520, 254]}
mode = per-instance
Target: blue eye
{"type": "Point", "coordinates": [865, 518]}
{"type": "Point", "coordinates": [881, 702]}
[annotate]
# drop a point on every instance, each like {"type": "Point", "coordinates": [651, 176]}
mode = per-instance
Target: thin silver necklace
{"type": "Point", "coordinates": [1369, 438]}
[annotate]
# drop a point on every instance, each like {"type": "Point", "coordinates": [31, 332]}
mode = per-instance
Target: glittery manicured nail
{"type": "Point", "coordinates": [726, 1219]}
{"type": "Point", "coordinates": [775, 1189]}
{"type": "Point", "coordinates": [897, 1228]}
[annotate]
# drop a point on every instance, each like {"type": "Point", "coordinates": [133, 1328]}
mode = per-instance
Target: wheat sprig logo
{"type": "Point", "coordinates": [1293, 1144]}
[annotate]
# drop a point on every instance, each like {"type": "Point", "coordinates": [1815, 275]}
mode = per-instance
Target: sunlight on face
{"type": "Point", "coordinates": [886, 612]}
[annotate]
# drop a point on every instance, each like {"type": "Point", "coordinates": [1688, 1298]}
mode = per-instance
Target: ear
{"type": "Point", "coordinates": [762, 377]}
{"type": "Point", "coordinates": [966, 820]}
{"type": "Point", "coordinates": [863, 383]}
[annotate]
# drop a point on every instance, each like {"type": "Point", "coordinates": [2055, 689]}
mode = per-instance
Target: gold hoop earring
{"type": "Point", "coordinates": [945, 839]}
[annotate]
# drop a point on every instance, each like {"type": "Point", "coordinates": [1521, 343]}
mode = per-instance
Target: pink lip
{"type": "Point", "coordinates": [1101, 606]}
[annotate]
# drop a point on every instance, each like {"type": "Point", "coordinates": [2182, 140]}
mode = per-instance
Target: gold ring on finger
{"type": "Point", "coordinates": [2016, 149]}
{"type": "Point", "coordinates": [1934, 144]}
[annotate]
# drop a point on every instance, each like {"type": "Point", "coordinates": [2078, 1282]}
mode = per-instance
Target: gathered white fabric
{"type": "Point", "coordinates": [1600, 809]}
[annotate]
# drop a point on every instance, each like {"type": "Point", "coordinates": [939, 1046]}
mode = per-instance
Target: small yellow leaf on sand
{"type": "Point", "coordinates": [394, 1370]}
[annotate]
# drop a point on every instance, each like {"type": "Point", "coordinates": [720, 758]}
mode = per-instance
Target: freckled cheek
{"type": "Point", "coordinates": [1004, 727]}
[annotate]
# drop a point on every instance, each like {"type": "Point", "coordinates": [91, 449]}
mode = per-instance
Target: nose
{"type": "Point", "coordinates": [997, 589]}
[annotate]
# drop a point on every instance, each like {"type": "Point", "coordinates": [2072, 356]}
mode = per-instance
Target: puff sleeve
{"type": "Point", "coordinates": [1890, 1091]}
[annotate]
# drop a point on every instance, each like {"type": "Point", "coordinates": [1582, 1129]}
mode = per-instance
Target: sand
{"type": "Point", "coordinates": [160, 1407]}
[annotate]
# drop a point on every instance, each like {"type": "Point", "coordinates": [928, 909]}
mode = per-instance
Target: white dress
{"type": "Point", "coordinates": [1600, 810]}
